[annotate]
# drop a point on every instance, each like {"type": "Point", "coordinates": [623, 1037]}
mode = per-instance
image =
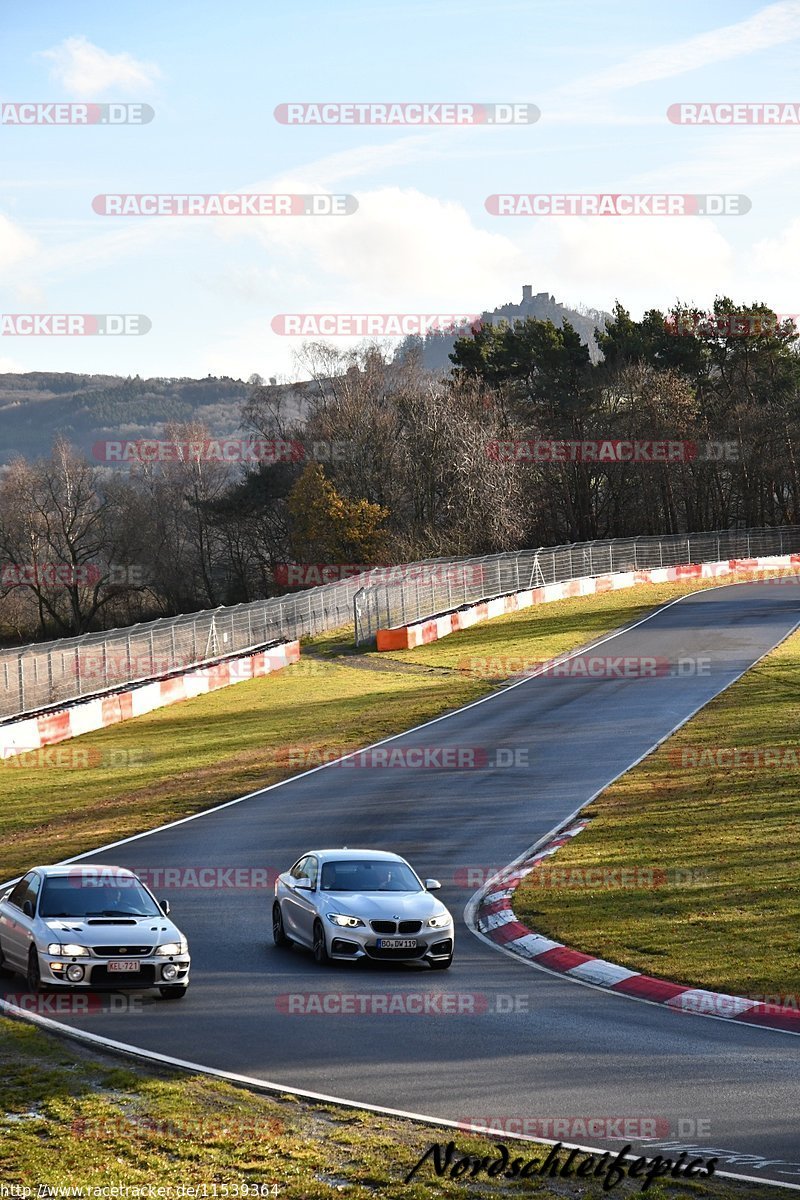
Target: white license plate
{"type": "Point", "coordinates": [123, 964]}
{"type": "Point", "coordinates": [397, 943]}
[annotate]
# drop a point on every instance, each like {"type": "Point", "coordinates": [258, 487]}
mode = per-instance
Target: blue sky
{"type": "Point", "coordinates": [421, 241]}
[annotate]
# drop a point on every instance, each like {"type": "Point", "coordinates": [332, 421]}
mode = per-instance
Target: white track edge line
{"type": "Point", "coordinates": [254, 1084]}
{"type": "Point", "coordinates": [475, 900]}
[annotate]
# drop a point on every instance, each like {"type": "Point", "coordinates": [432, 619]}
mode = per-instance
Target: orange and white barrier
{"type": "Point", "coordinates": [406, 637]}
{"type": "Point", "coordinates": [86, 716]}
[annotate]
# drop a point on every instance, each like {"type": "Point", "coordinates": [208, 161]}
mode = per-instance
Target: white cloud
{"type": "Point", "coordinates": [401, 250]}
{"type": "Point", "coordinates": [87, 72]}
{"type": "Point", "coordinates": [645, 261]}
{"type": "Point", "coordinates": [15, 244]}
{"type": "Point", "coordinates": [404, 252]}
{"type": "Point", "coordinates": [772, 26]}
{"type": "Point", "coordinates": [774, 266]}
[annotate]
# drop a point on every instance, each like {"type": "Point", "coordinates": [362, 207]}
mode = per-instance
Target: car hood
{"type": "Point", "coordinates": [385, 906]}
{"type": "Point", "coordinates": [101, 931]}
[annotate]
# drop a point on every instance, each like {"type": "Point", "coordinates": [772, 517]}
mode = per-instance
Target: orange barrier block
{"type": "Point", "coordinates": [54, 727]}
{"type": "Point", "coordinates": [394, 639]}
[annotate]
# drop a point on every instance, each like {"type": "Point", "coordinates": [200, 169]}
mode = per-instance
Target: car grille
{"type": "Point", "coordinates": [409, 927]}
{"type": "Point", "coordinates": [122, 951]}
{"type": "Point", "coordinates": [102, 977]}
{"type": "Point", "coordinates": [384, 926]}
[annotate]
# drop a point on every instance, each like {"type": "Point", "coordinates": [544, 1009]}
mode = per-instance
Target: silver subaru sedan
{"type": "Point", "coordinates": [85, 926]}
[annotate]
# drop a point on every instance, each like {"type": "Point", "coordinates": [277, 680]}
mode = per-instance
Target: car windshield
{"type": "Point", "coordinates": [365, 875]}
{"type": "Point", "coordinates": [64, 896]}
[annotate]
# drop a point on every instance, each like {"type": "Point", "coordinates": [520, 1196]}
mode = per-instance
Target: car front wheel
{"type": "Point", "coordinates": [5, 969]}
{"type": "Point", "coordinates": [279, 935]}
{"type": "Point", "coordinates": [33, 977]}
{"type": "Point", "coordinates": [320, 947]}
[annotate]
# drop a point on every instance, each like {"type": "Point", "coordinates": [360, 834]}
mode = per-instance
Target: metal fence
{"type": "Point", "coordinates": [423, 590]}
{"type": "Point", "coordinates": [46, 674]}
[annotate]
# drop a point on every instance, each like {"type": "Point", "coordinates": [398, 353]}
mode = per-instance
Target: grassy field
{"type": "Point", "coordinates": [76, 1119]}
{"type": "Point", "coordinates": [720, 839]}
{"type": "Point", "coordinates": [549, 629]}
{"type": "Point", "coordinates": [202, 752]}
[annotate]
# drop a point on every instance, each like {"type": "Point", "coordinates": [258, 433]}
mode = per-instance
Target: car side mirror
{"type": "Point", "coordinates": [5, 895]}
{"type": "Point", "coordinates": [432, 885]}
{"type": "Point", "coordinates": [164, 906]}
{"type": "Point", "coordinates": [27, 908]}
{"type": "Point", "coordinates": [303, 885]}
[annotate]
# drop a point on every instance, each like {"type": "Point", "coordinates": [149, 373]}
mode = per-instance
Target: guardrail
{"type": "Point", "coordinates": [424, 590]}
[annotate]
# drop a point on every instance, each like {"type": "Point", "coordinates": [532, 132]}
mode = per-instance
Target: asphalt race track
{"type": "Point", "coordinates": [526, 1044]}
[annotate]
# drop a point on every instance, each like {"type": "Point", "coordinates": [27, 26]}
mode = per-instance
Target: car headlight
{"type": "Point", "coordinates": [168, 948]}
{"type": "Point", "coordinates": [70, 949]}
{"type": "Point", "coordinates": [439, 922]}
{"type": "Point", "coordinates": [342, 919]}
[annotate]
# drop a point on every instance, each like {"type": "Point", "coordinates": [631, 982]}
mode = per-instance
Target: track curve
{"type": "Point", "coordinates": [524, 1044]}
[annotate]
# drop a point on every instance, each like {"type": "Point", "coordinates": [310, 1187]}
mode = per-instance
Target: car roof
{"type": "Point", "coordinates": [355, 852]}
{"type": "Point", "coordinates": [71, 870]}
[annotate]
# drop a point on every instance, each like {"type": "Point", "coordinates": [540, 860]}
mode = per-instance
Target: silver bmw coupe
{"type": "Point", "coordinates": [356, 904]}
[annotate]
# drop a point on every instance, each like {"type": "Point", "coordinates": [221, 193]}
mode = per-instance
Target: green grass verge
{"type": "Point", "coordinates": [202, 752]}
{"type": "Point", "coordinates": [76, 1119]}
{"type": "Point", "coordinates": [188, 757]}
{"type": "Point", "coordinates": [544, 631]}
{"type": "Point", "coordinates": [723, 842]}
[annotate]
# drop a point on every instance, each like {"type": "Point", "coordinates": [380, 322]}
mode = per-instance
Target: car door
{"type": "Point", "coordinates": [292, 908]}
{"type": "Point", "coordinates": [306, 900]}
{"type": "Point", "coordinates": [16, 927]}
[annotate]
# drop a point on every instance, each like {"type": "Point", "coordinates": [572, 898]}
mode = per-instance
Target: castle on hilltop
{"type": "Point", "coordinates": [540, 297]}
